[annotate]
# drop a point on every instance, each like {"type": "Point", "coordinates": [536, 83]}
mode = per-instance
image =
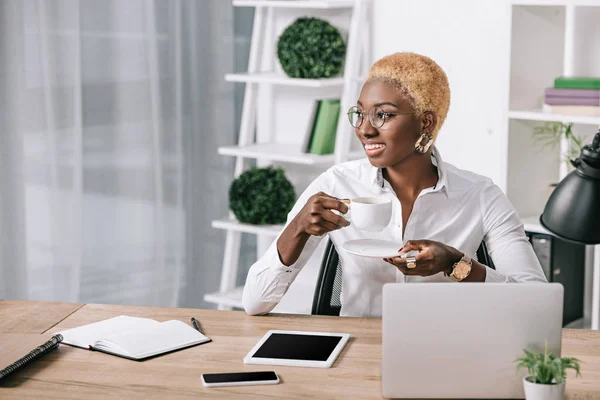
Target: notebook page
{"type": "Point", "coordinates": [85, 335]}
{"type": "Point", "coordinates": [167, 336]}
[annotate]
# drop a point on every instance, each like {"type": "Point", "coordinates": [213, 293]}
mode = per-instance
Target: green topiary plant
{"type": "Point", "coordinates": [262, 196]}
{"type": "Point", "coordinates": [546, 368]}
{"type": "Point", "coordinates": [311, 48]}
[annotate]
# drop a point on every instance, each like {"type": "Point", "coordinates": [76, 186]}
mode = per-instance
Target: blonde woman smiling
{"type": "Point", "coordinates": [440, 211]}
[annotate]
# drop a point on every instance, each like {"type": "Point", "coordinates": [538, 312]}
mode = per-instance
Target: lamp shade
{"type": "Point", "coordinates": [573, 210]}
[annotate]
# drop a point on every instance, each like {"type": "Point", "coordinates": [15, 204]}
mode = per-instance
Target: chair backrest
{"type": "Point", "coordinates": [483, 256]}
{"type": "Point", "coordinates": [328, 291]}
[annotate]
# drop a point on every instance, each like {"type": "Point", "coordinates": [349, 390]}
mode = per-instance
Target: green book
{"type": "Point", "coordinates": [325, 127]}
{"type": "Point", "coordinates": [577, 83]}
{"type": "Point", "coordinates": [314, 114]}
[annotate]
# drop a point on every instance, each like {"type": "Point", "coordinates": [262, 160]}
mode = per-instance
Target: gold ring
{"type": "Point", "coordinates": [411, 262]}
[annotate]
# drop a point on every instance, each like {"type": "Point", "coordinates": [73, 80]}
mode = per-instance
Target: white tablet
{"type": "Point", "coordinates": [298, 349]}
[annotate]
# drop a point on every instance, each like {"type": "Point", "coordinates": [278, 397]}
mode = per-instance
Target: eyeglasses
{"type": "Point", "coordinates": [377, 116]}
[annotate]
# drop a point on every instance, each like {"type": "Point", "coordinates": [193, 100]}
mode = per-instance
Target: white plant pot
{"type": "Point", "coordinates": [538, 391]}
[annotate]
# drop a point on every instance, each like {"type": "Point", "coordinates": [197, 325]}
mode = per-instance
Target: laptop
{"type": "Point", "coordinates": [459, 340]}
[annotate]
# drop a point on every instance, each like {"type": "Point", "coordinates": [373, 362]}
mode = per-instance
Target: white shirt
{"type": "Point", "coordinates": [460, 211]}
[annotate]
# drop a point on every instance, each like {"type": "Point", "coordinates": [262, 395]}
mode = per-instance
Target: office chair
{"type": "Point", "coordinates": [328, 291]}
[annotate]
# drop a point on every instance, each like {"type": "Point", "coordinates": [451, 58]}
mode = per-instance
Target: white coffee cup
{"type": "Point", "coordinates": [370, 214]}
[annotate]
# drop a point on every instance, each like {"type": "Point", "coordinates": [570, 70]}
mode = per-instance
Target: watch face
{"type": "Point", "coordinates": [461, 270]}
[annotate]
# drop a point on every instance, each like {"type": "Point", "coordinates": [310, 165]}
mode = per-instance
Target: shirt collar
{"type": "Point", "coordinates": [442, 183]}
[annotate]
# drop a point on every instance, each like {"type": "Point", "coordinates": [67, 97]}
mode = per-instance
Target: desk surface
{"type": "Point", "coordinates": [75, 373]}
{"type": "Point", "coordinates": [32, 316]}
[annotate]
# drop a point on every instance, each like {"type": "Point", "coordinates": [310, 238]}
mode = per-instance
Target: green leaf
{"type": "Point", "coordinates": [549, 135]}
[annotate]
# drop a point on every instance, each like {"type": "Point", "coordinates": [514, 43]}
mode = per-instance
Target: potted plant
{"type": "Point", "coordinates": [546, 374]}
{"type": "Point", "coordinates": [550, 135]}
{"type": "Point", "coordinates": [262, 196]}
{"type": "Point", "coordinates": [311, 48]}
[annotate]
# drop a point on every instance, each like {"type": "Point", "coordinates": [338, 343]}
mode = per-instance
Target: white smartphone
{"type": "Point", "coordinates": [240, 379]}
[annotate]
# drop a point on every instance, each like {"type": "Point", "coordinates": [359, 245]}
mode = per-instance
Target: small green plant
{"type": "Point", "coordinates": [262, 196]}
{"type": "Point", "coordinates": [546, 368]}
{"type": "Point", "coordinates": [311, 48]}
{"type": "Point", "coordinates": [551, 133]}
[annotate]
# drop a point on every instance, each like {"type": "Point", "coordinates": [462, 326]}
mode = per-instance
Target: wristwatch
{"type": "Point", "coordinates": [461, 269]}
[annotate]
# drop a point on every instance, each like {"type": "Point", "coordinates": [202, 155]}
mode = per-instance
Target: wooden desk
{"type": "Point", "coordinates": [32, 316]}
{"type": "Point", "coordinates": [74, 373]}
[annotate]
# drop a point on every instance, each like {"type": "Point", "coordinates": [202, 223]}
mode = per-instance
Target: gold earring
{"type": "Point", "coordinates": [424, 143]}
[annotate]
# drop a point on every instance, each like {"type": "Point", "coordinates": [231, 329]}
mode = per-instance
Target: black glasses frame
{"type": "Point", "coordinates": [372, 114]}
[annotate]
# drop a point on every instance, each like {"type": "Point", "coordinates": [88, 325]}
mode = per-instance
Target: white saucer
{"type": "Point", "coordinates": [372, 248]}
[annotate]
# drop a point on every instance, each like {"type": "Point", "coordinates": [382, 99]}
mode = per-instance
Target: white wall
{"type": "Point", "coordinates": [470, 40]}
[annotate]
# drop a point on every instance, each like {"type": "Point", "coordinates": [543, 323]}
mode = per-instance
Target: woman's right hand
{"type": "Point", "coordinates": [317, 217]}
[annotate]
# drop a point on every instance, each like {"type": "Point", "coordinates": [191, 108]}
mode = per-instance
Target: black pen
{"type": "Point", "coordinates": [196, 324]}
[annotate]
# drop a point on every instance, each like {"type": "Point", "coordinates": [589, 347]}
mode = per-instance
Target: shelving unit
{"type": "Point", "coordinates": [549, 38]}
{"type": "Point", "coordinates": [538, 115]}
{"type": "Point", "coordinates": [265, 138]}
{"type": "Point", "coordinates": [559, 3]}
{"type": "Point", "coordinates": [297, 4]}
{"type": "Point", "coordinates": [228, 299]}
{"type": "Point", "coordinates": [234, 225]}
{"type": "Point", "coordinates": [282, 152]}
{"type": "Point", "coordinates": [275, 78]}
{"type": "Point", "coordinates": [532, 224]}
{"type": "Point", "coordinates": [547, 41]}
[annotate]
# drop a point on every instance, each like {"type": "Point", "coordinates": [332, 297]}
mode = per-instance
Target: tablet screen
{"type": "Point", "coordinates": [298, 347]}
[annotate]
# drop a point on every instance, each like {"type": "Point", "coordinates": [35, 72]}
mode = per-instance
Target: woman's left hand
{"type": "Point", "coordinates": [433, 258]}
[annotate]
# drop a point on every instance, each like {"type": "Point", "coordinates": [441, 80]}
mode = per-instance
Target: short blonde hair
{"type": "Point", "coordinates": [418, 78]}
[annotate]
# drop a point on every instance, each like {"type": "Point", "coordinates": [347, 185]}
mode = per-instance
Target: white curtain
{"type": "Point", "coordinates": [110, 115]}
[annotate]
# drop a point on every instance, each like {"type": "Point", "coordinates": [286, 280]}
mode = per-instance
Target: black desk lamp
{"type": "Point", "coordinates": [573, 210]}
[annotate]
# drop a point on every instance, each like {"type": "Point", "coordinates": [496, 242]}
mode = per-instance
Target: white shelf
{"type": "Point", "coordinates": [313, 4]}
{"type": "Point", "coordinates": [555, 2]}
{"type": "Point", "coordinates": [532, 224]}
{"type": "Point", "coordinates": [581, 323]}
{"type": "Point", "coordinates": [233, 298]}
{"type": "Point", "coordinates": [289, 153]}
{"type": "Point", "coordinates": [539, 115]}
{"type": "Point", "coordinates": [275, 78]}
{"type": "Point", "coordinates": [233, 225]}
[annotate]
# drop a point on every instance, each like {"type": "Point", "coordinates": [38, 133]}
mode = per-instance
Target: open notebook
{"type": "Point", "coordinates": [134, 338]}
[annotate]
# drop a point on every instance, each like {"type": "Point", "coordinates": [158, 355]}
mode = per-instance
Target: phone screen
{"type": "Point", "coordinates": [254, 376]}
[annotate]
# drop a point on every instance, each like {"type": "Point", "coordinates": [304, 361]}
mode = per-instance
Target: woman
{"type": "Point", "coordinates": [438, 210]}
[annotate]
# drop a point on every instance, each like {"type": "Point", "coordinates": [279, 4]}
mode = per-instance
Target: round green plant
{"type": "Point", "coordinates": [262, 196]}
{"type": "Point", "coordinates": [311, 48]}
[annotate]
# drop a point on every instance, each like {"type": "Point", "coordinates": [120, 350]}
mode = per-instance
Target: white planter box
{"type": "Point", "coordinates": [538, 391]}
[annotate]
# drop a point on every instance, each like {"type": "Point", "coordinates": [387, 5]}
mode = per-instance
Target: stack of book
{"type": "Point", "coordinates": [322, 127]}
{"type": "Point", "coordinates": [573, 96]}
